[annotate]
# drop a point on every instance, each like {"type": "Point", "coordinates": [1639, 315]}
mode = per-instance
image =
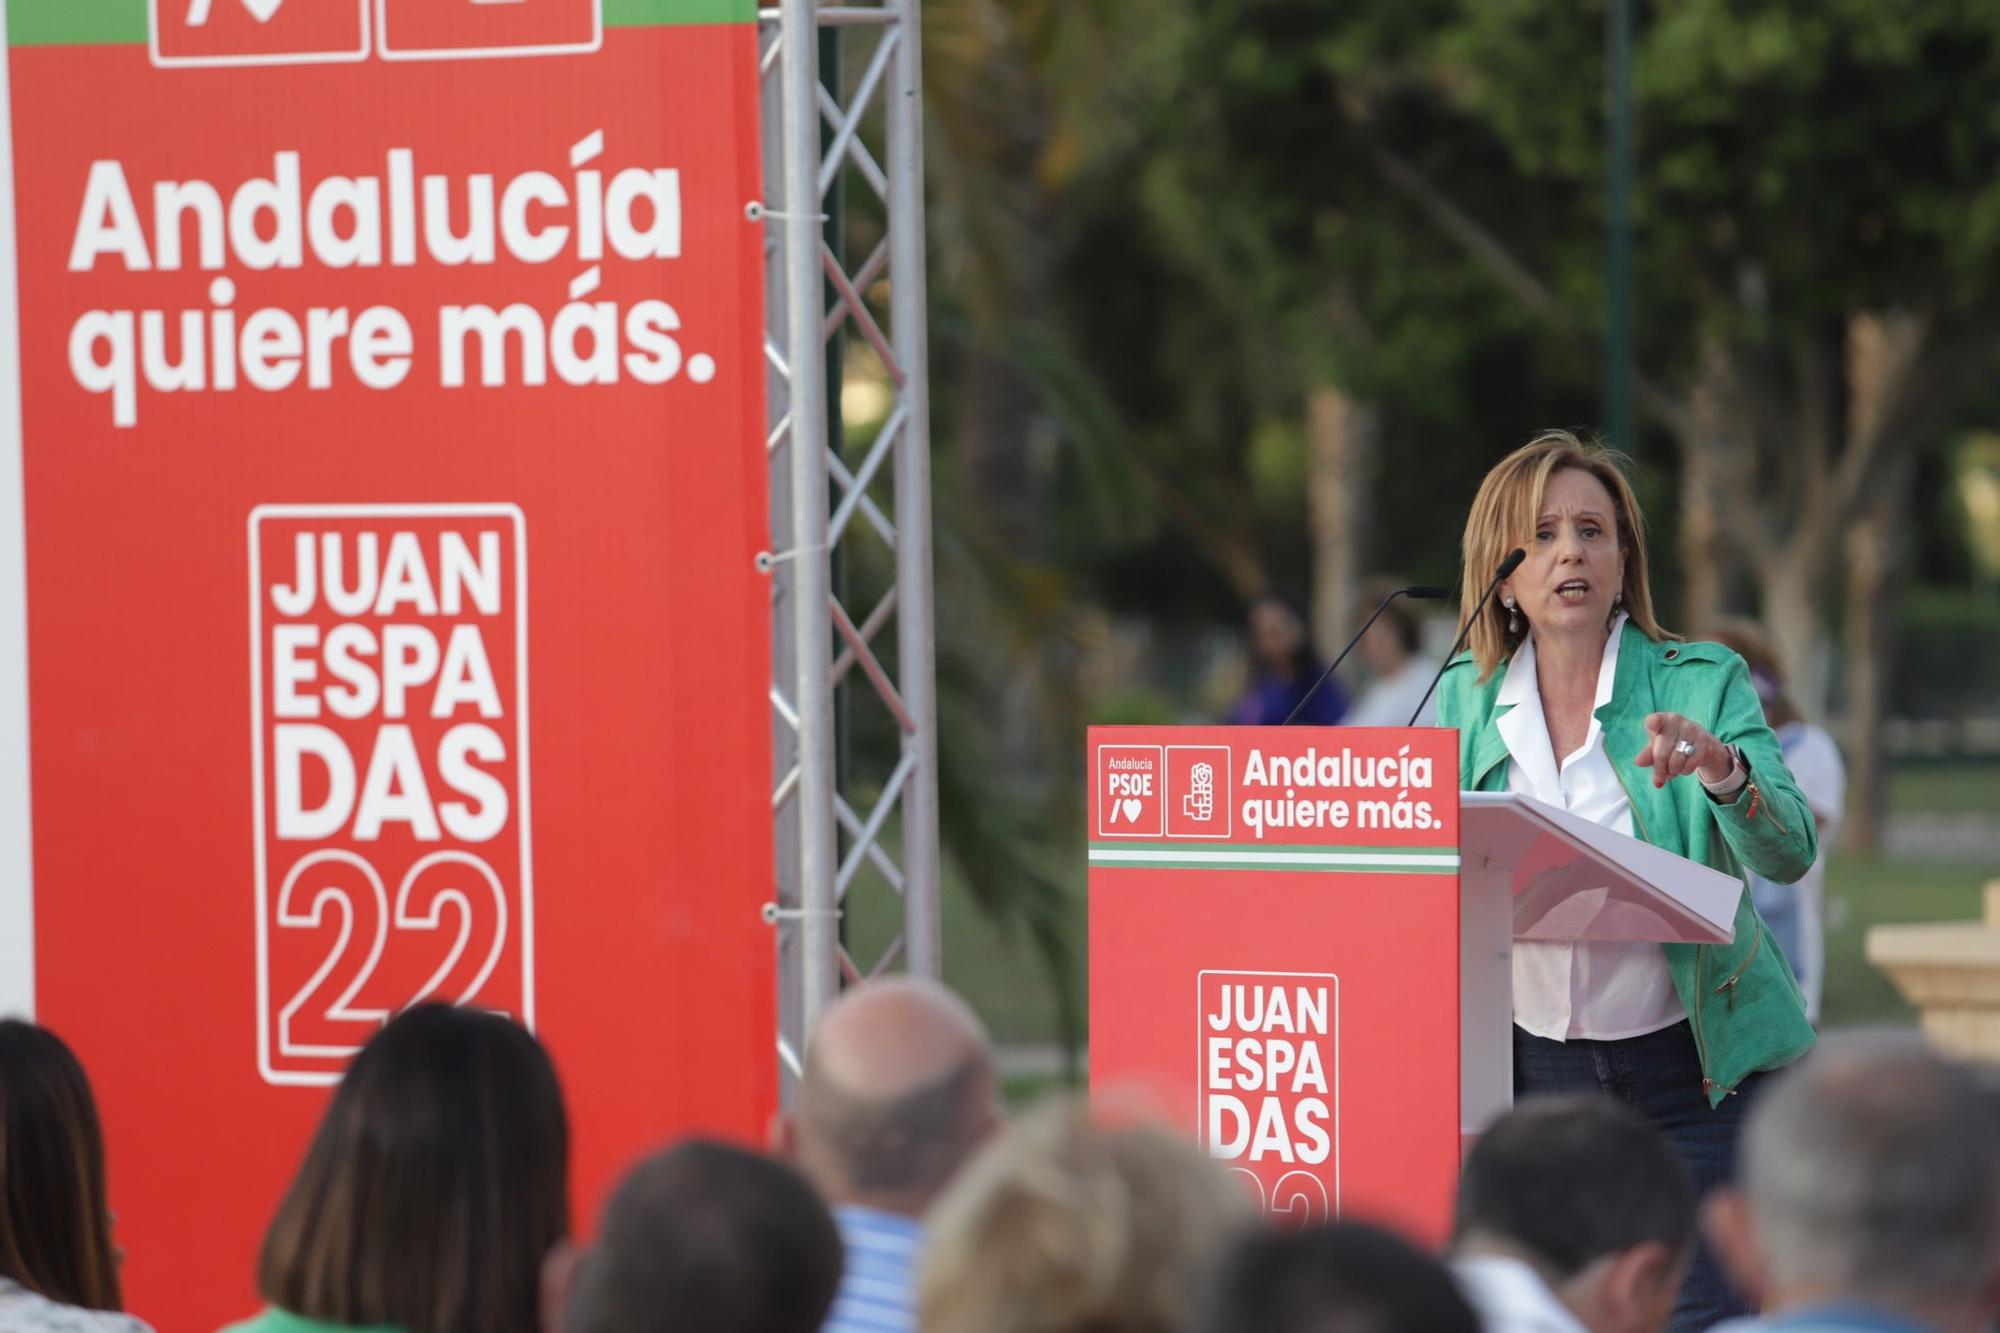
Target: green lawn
{"type": "Point", "coordinates": [1861, 893]}
{"type": "Point", "coordinates": [998, 971]}
{"type": "Point", "coordinates": [1946, 786]}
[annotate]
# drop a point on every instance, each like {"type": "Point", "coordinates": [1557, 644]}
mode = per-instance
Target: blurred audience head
{"type": "Point", "coordinates": [1064, 1226]}
{"type": "Point", "coordinates": [711, 1238]}
{"type": "Point", "coordinates": [436, 1186]}
{"type": "Point", "coordinates": [1767, 672]}
{"type": "Point", "coordinates": [55, 1220]}
{"type": "Point", "coordinates": [1342, 1278]}
{"type": "Point", "coordinates": [1279, 644]}
{"type": "Point", "coordinates": [1590, 1197]}
{"type": "Point", "coordinates": [898, 1093]}
{"type": "Point", "coordinates": [1869, 1176]}
{"type": "Point", "coordinates": [1397, 634]}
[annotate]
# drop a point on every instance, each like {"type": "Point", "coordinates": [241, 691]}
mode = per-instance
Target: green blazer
{"type": "Point", "coordinates": [274, 1320]}
{"type": "Point", "coordinates": [1743, 1004]}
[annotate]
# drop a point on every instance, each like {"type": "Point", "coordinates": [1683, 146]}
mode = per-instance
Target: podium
{"type": "Point", "coordinates": [1301, 941]}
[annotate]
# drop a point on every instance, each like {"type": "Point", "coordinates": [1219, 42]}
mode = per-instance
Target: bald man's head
{"type": "Point", "coordinates": [898, 1092]}
{"type": "Point", "coordinates": [1872, 1170]}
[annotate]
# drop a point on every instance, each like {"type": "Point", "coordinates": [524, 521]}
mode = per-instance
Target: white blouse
{"type": "Point", "coordinates": [1594, 989]}
{"type": "Point", "coordinates": [23, 1311]}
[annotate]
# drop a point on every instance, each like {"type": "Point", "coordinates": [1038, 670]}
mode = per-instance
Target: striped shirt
{"type": "Point", "coordinates": [878, 1287]}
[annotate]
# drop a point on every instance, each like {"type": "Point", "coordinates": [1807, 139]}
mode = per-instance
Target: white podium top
{"type": "Point", "coordinates": [1573, 880]}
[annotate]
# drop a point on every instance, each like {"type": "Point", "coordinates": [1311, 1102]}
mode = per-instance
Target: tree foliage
{"type": "Point", "coordinates": [1172, 222]}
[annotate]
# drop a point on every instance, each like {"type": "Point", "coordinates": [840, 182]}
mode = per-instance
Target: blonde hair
{"type": "Point", "coordinates": [1503, 517]}
{"type": "Point", "coordinates": [1065, 1227]}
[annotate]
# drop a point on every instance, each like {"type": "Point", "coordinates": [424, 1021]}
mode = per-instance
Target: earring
{"type": "Point", "coordinates": [1513, 619]}
{"type": "Point", "coordinates": [1618, 598]}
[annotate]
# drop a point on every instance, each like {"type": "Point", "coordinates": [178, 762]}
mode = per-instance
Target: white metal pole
{"type": "Point", "coordinates": [916, 644]}
{"type": "Point", "coordinates": [811, 589]}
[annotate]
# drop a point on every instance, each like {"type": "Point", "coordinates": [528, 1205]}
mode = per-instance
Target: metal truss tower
{"type": "Point", "coordinates": [850, 564]}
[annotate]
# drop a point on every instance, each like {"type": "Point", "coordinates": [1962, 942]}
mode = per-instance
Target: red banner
{"type": "Point", "coordinates": [1274, 956]}
{"type": "Point", "coordinates": [391, 434]}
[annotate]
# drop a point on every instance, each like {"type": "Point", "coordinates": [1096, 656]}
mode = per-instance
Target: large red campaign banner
{"type": "Point", "coordinates": [1274, 956]}
{"type": "Point", "coordinates": [391, 451]}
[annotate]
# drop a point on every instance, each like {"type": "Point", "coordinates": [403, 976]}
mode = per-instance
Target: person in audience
{"type": "Point", "coordinates": [1796, 913]}
{"type": "Point", "coordinates": [1573, 1216]}
{"type": "Point", "coordinates": [898, 1093]}
{"type": "Point", "coordinates": [1400, 677]}
{"type": "Point", "coordinates": [58, 1266]}
{"type": "Point", "coordinates": [1285, 667]}
{"type": "Point", "coordinates": [1063, 1226]}
{"type": "Point", "coordinates": [1343, 1278]}
{"type": "Point", "coordinates": [711, 1238]}
{"type": "Point", "coordinates": [434, 1190]}
{"type": "Point", "coordinates": [1869, 1194]}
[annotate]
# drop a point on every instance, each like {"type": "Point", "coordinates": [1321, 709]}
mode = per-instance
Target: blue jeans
{"type": "Point", "coordinates": [1658, 1074]}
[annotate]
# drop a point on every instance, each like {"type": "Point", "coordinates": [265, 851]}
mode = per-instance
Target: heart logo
{"type": "Point", "coordinates": [262, 10]}
{"type": "Point", "coordinates": [1131, 807]}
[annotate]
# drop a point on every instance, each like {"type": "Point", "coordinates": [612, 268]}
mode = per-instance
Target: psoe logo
{"type": "Point", "coordinates": [1130, 791]}
{"type": "Point", "coordinates": [1198, 791]}
{"type": "Point", "coordinates": [206, 34]}
{"type": "Point", "coordinates": [209, 34]}
{"type": "Point", "coordinates": [1269, 1074]}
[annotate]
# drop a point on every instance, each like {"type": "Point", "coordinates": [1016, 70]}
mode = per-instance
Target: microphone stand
{"type": "Point", "coordinates": [1422, 590]}
{"type": "Point", "coordinates": [1507, 566]}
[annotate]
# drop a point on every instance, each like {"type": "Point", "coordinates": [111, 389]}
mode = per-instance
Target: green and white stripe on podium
{"type": "Point", "coordinates": [1189, 855]}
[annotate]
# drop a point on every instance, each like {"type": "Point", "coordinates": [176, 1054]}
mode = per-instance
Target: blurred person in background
{"type": "Point", "coordinates": [898, 1093]}
{"type": "Point", "coordinates": [711, 1239]}
{"type": "Point", "coordinates": [1573, 1216]}
{"type": "Point", "coordinates": [1869, 1196]}
{"type": "Point", "coordinates": [58, 1265]}
{"type": "Point", "coordinates": [1346, 1277]}
{"type": "Point", "coordinates": [434, 1191]}
{"type": "Point", "coordinates": [1284, 667]}
{"type": "Point", "coordinates": [1065, 1226]}
{"type": "Point", "coordinates": [1572, 693]}
{"type": "Point", "coordinates": [1796, 913]}
{"type": "Point", "coordinates": [1399, 675]}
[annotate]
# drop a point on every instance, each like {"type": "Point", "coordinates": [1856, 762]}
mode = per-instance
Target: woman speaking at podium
{"type": "Point", "coordinates": [1571, 693]}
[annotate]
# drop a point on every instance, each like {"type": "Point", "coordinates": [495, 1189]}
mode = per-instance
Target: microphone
{"type": "Point", "coordinates": [1507, 566]}
{"type": "Point", "coordinates": [1423, 590]}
